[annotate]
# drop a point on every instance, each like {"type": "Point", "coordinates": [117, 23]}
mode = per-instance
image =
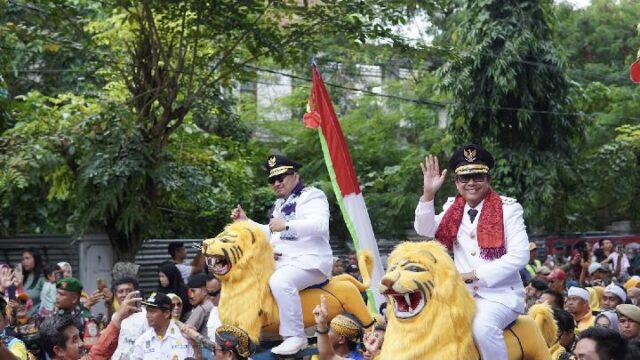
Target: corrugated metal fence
{"type": "Point", "coordinates": [153, 252]}
{"type": "Point", "coordinates": [52, 248]}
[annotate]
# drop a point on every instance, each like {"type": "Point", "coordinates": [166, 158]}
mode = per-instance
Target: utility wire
{"type": "Point", "coordinates": [429, 103]}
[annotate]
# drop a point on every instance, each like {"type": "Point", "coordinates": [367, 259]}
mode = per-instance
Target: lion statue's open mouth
{"type": "Point", "coordinates": [407, 305]}
{"type": "Point", "coordinates": [218, 264]}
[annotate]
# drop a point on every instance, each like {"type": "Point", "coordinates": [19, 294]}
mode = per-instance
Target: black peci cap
{"type": "Point", "coordinates": [471, 159]}
{"type": "Point", "coordinates": [280, 164]}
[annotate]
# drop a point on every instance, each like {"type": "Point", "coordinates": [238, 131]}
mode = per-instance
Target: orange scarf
{"type": "Point", "coordinates": [490, 226]}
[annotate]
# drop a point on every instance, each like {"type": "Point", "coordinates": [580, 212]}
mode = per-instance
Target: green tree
{"type": "Point", "coordinates": [131, 157]}
{"type": "Point", "coordinates": [600, 43]}
{"type": "Point", "coordinates": [510, 93]}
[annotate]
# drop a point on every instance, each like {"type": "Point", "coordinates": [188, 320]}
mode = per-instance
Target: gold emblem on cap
{"type": "Point", "coordinates": [272, 161]}
{"type": "Point", "coordinates": [64, 284]}
{"type": "Point", "coordinates": [470, 155]}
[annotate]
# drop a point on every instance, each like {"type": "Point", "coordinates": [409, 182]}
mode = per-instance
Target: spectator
{"type": "Point", "coordinates": [233, 343]}
{"type": "Point", "coordinates": [633, 350]}
{"type": "Point", "coordinates": [599, 274]}
{"type": "Point", "coordinates": [602, 250]}
{"type": "Point", "coordinates": [542, 273]}
{"type": "Point", "coordinates": [33, 278]}
{"type": "Point", "coordinates": [12, 345]}
{"type": "Point", "coordinates": [68, 302]}
{"type": "Point", "coordinates": [628, 321]}
{"type": "Point", "coordinates": [178, 254]}
{"type": "Point", "coordinates": [634, 259]}
{"type": "Point", "coordinates": [553, 298]}
{"type": "Point", "coordinates": [338, 340]}
{"type": "Point", "coordinates": [171, 282]}
{"type": "Point", "coordinates": [120, 270]}
{"type": "Point", "coordinates": [163, 336]}
{"type": "Point", "coordinates": [634, 296]}
{"type": "Point", "coordinates": [52, 273]}
{"type": "Point", "coordinates": [229, 342]}
{"type": "Point", "coordinates": [24, 327]}
{"type": "Point", "coordinates": [616, 259]}
{"type": "Point", "coordinates": [352, 266]}
{"type": "Point", "coordinates": [200, 302]}
{"type": "Point", "coordinates": [600, 344]}
{"type": "Point", "coordinates": [133, 326]}
{"type": "Point", "coordinates": [607, 319]}
{"type": "Point", "coordinates": [338, 267]}
{"type": "Point", "coordinates": [534, 264]}
{"type": "Point", "coordinates": [176, 311]}
{"type": "Point", "coordinates": [566, 334]}
{"type": "Point", "coordinates": [67, 271]}
{"type": "Point", "coordinates": [533, 291]}
{"type": "Point", "coordinates": [556, 280]}
{"type": "Point", "coordinates": [559, 258]}
{"type": "Point", "coordinates": [578, 305]}
{"type": "Point", "coordinates": [373, 341]}
{"type": "Point", "coordinates": [581, 255]}
{"type": "Point", "coordinates": [61, 338]}
{"type": "Point", "coordinates": [213, 289]}
{"type": "Point", "coordinates": [614, 295]}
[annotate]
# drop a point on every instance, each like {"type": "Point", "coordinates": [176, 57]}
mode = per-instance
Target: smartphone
{"type": "Point", "coordinates": [138, 303]}
{"type": "Point", "coordinates": [17, 271]}
{"type": "Point", "coordinates": [100, 284]}
{"type": "Point", "coordinates": [11, 292]}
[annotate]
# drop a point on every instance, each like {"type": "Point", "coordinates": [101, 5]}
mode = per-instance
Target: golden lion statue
{"type": "Point", "coordinates": [430, 311]}
{"type": "Point", "coordinates": [242, 258]}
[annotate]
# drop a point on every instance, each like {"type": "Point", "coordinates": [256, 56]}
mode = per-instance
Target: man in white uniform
{"type": "Point", "coordinates": [163, 341]}
{"type": "Point", "coordinates": [299, 232]}
{"type": "Point", "coordinates": [488, 238]}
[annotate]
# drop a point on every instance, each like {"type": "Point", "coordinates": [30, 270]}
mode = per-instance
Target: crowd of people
{"type": "Point", "coordinates": [593, 288]}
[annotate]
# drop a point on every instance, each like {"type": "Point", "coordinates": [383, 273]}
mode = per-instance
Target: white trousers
{"type": "Point", "coordinates": [490, 320]}
{"type": "Point", "coordinates": [286, 283]}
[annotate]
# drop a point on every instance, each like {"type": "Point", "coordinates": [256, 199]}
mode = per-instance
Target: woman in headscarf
{"type": "Point", "coordinates": [67, 271]}
{"type": "Point", "coordinates": [171, 282]}
{"type": "Point", "coordinates": [176, 312]}
{"type": "Point", "coordinates": [607, 319]}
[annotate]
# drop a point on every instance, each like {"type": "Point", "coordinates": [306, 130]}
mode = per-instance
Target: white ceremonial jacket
{"type": "Point", "coordinates": [173, 346]}
{"type": "Point", "coordinates": [499, 279]}
{"type": "Point", "coordinates": [306, 244]}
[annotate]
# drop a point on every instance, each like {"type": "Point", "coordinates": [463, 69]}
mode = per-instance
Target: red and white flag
{"type": "Point", "coordinates": [345, 183]}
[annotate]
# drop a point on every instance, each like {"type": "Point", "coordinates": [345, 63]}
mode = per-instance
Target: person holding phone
{"type": "Point", "coordinates": [299, 232]}
{"type": "Point", "coordinates": [61, 338]}
{"type": "Point", "coordinates": [133, 326]}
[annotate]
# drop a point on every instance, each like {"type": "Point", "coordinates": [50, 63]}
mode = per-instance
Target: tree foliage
{"type": "Point", "coordinates": [151, 145]}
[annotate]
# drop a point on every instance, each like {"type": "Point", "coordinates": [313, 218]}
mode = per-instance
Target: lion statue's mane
{"type": "Point", "coordinates": [242, 259]}
{"type": "Point", "coordinates": [430, 311]}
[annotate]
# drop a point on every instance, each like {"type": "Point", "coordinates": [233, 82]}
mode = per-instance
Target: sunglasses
{"type": "Point", "coordinates": [479, 178]}
{"type": "Point", "coordinates": [279, 178]}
